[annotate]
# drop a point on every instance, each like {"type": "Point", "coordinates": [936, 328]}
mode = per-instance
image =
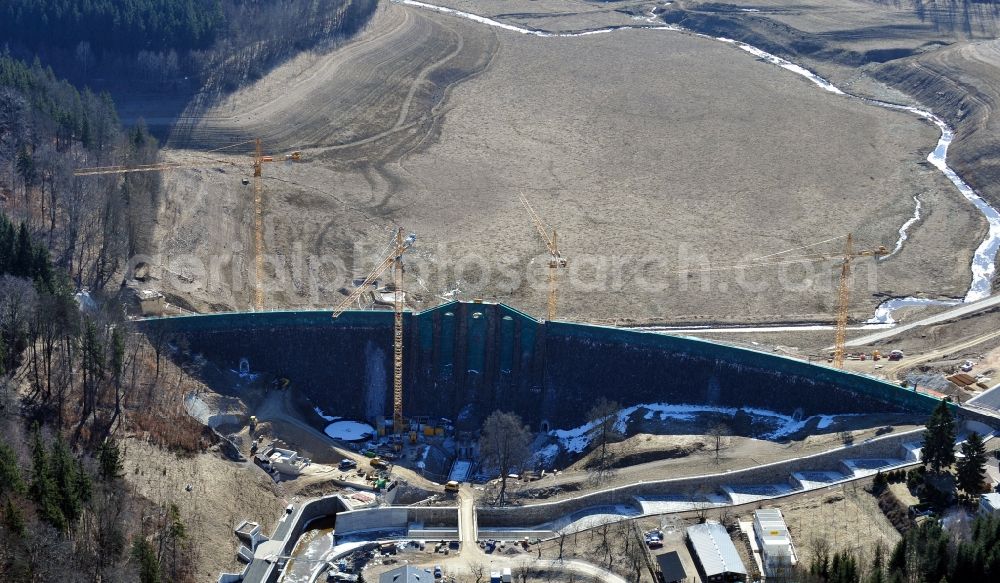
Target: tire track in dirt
{"type": "Point", "coordinates": [355, 96]}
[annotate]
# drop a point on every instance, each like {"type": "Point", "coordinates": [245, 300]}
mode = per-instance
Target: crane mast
{"type": "Point", "coordinates": [258, 223]}
{"type": "Point", "coordinates": [259, 159]}
{"type": "Point", "coordinates": [844, 296]}
{"type": "Point", "coordinates": [393, 260]}
{"type": "Point", "coordinates": [397, 335]}
{"type": "Point", "coordinates": [555, 258]}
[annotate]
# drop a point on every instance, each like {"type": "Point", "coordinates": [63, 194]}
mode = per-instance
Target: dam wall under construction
{"type": "Point", "coordinates": [464, 360]}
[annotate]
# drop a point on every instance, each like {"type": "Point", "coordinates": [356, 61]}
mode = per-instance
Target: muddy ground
{"type": "Point", "coordinates": [662, 159]}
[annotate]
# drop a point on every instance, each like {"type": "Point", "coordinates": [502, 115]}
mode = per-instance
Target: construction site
{"type": "Point", "coordinates": [770, 266]}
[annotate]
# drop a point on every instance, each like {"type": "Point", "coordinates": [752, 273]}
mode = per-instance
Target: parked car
{"type": "Point", "coordinates": [437, 572]}
{"type": "Point", "coordinates": [347, 464]}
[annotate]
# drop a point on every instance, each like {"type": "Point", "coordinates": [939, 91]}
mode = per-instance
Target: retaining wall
{"type": "Point", "coordinates": [289, 529]}
{"type": "Point", "coordinates": [539, 514]}
{"type": "Point", "coordinates": [395, 518]}
{"type": "Point", "coordinates": [464, 360]}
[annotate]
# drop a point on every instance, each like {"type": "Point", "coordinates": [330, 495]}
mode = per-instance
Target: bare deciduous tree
{"type": "Point", "coordinates": [18, 300]}
{"type": "Point", "coordinates": [522, 571]}
{"type": "Point", "coordinates": [635, 554]}
{"type": "Point", "coordinates": [478, 570]}
{"type": "Point", "coordinates": [719, 434]}
{"type": "Point", "coordinates": [505, 444]}
{"type": "Point", "coordinates": [604, 418]}
{"type": "Point", "coordinates": [846, 437]}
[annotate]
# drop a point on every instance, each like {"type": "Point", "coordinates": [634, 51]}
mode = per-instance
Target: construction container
{"type": "Point", "coordinates": [775, 543]}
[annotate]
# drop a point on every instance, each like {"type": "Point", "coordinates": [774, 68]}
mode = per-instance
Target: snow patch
{"type": "Point", "coordinates": [349, 430]}
{"type": "Point", "coordinates": [577, 439]}
{"type": "Point", "coordinates": [460, 471]}
{"type": "Point", "coordinates": [324, 415]}
{"type": "Point", "coordinates": [547, 454]}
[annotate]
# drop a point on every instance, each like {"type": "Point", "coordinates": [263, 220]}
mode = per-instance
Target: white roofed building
{"type": "Point", "coordinates": [715, 553]}
{"type": "Point", "coordinates": [989, 503]}
{"type": "Point", "coordinates": [776, 549]}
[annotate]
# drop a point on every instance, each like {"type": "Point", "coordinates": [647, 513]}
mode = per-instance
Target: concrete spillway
{"type": "Point", "coordinates": [464, 360]}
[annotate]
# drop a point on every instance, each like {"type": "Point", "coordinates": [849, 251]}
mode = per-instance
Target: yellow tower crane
{"type": "Point", "coordinates": [843, 289]}
{"type": "Point", "coordinates": [393, 259]}
{"type": "Point", "coordinates": [555, 259]}
{"type": "Point", "coordinates": [844, 295]}
{"type": "Point", "coordinates": [259, 159]}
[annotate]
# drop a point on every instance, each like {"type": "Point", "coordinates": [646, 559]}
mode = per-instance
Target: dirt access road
{"type": "Point", "coordinates": [661, 157]}
{"type": "Point", "coordinates": [737, 453]}
{"type": "Point", "coordinates": [314, 444]}
{"type": "Point", "coordinates": [472, 556]}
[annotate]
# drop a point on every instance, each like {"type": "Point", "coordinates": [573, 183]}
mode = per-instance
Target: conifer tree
{"type": "Point", "coordinates": [971, 469]}
{"type": "Point", "coordinates": [22, 253]}
{"type": "Point", "coordinates": [13, 518]}
{"type": "Point", "coordinates": [10, 471]}
{"type": "Point", "coordinates": [938, 449]}
{"type": "Point", "coordinates": [145, 556]}
{"type": "Point", "coordinates": [109, 460]}
{"type": "Point", "coordinates": [43, 489]}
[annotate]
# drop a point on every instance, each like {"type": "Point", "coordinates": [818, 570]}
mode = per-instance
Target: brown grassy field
{"type": "Point", "coordinates": [661, 158]}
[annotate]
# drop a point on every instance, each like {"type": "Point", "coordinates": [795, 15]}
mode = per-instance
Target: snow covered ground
{"type": "Point", "coordinates": [679, 503]}
{"type": "Point", "coordinates": [577, 439]}
{"type": "Point", "coordinates": [324, 415]}
{"type": "Point", "coordinates": [460, 471]}
{"type": "Point", "coordinates": [349, 430]}
{"type": "Point", "coordinates": [742, 494]}
{"type": "Point", "coordinates": [591, 517]}
{"type": "Point", "coordinates": [810, 480]}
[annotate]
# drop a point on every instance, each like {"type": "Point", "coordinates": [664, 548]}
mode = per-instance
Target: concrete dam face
{"type": "Point", "coordinates": [465, 360]}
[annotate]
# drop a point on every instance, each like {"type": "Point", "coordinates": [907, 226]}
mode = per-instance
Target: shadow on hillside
{"type": "Point", "coordinates": [971, 17]}
{"type": "Point", "coordinates": [171, 105]}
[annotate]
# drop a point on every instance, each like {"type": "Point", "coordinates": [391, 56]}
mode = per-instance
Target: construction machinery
{"type": "Point", "coordinates": [844, 295]}
{"type": "Point", "coordinates": [555, 259]}
{"type": "Point", "coordinates": [393, 258]}
{"type": "Point", "coordinates": [259, 159]}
